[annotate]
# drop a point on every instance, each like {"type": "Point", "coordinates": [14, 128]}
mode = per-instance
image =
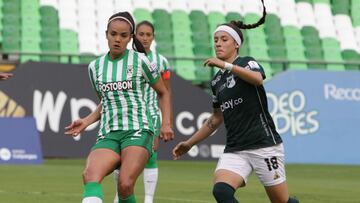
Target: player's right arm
{"type": "Point", "coordinates": [166, 76]}
{"type": "Point", "coordinates": [210, 126]}
{"type": "Point", "coordinates": [77, 126]}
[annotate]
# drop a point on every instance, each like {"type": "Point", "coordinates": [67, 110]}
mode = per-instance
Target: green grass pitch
{"type": "Point", "coordinates": [59, 181]}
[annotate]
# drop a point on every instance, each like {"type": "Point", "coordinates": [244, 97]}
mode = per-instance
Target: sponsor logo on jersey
{"type": "Point", "coordinates": [276, 175]}
{"type": "Point", "coordinates": [153, 67]}
{"type": "Point", "coordinates": [116, 86]}
{"type": "Point", "coordinates": [214, 99]}
{"type": "Point", "coordinates": [230, 104]}
{"type": "Point", "coordinates": [217, 79]}
{"type": "Point", "coordinates": [100, 137]}
{"type": "Point", "coordinates": [9, 108]}
{"type": "Point", "coordinates": [222, 87]}
{"type": "Point", "coordinates": [253, 65]}
{"type": "Point", "coordinates": [230, 81]}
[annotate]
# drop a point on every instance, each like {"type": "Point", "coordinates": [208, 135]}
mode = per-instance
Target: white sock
{"type": "Point", "coordinates": [116, 179]}
{"type": "Point", "coordinates": [92, 200]}
{"type": "Point", "coordinates": [150, 181]}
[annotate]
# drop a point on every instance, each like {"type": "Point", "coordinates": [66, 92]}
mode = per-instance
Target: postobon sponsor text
{"type": "Point", "coordinates": [116, 86]}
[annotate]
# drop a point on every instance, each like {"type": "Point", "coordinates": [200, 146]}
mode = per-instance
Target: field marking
{"type": "Point", "coordinates": [179, 199]}
{"type": "Point", "coordinates": [74, 194]}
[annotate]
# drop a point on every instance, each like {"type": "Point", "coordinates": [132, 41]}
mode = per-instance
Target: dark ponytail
{"type": "Point", "coordinates": [241, 25]}
{"type": "Point", "coordinates": [238, 25]}
{"type": "Point", "coordinates": [126, 16]}
{"type": "Point", "coordinates": [137, 46]}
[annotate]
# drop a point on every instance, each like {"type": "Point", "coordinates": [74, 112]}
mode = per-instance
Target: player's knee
{"type": "Point", "coordinates": [125, 188]}
{"type": "Point", "coordinates": [223, 192]}
{"type": "Point", "coordinates": [292, 200]}
{"type": "Point", "coordinates": [90, 176]}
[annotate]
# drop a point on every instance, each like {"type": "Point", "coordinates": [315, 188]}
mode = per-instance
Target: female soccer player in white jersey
{"type": "Point", "coordinates": [126, 128]}
{"type": "Point", "coordinates": [239, 100]}
{"type": "Point", "coordinates": [145, 34]}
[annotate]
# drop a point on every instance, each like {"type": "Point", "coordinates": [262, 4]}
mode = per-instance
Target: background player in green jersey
{"type": "Point", "coordinates": [145, 34]}
{"type": "Point", "coordinates": [126, 128]}
{"type": "Point", "coordinates": [239, 100]}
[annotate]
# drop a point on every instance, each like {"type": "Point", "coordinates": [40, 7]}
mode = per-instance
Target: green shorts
{"type": "Point", "coordinates": [120, 139]}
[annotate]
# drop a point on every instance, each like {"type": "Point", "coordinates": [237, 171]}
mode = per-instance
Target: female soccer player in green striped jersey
{"type": "Point", "coordinates": [145, 34]}
{"type": "Point", "coordinates": [126, 129]}
{"type": "Point", "coordinates": [239, 100]}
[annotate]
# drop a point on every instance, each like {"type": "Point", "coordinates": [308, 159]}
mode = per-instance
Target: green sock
{"type": "Point", "coordinates": [93, 189]}
{"type": "Point", "coordinates": [130, 199]}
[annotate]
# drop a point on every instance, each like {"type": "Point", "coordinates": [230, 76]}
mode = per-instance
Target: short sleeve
{"type": "Point", "coordinates": [165, 64]}
{"type": "Point", "coordinates": [150, 70]}
{"type": "Point", "coordinates": [92, 73]}
{"type": "Point", "coordinates": [253, 65]}
{"type": "Point", "coordinates": [165, 68]}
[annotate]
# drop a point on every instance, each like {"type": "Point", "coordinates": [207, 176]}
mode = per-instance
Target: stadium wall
{"type": "Point", "coordinates": [56, 94]}
{"type": "Point", "coordinates": [316, 112]}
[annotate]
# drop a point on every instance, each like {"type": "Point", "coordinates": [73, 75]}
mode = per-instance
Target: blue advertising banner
{"type": "Point", "coordinates": [20, 142]}
{"type": "Point", "coordinates": [318, 115]}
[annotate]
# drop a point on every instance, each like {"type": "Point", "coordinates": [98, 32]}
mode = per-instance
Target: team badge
{"type": "Point", "coordinates": [230, 81]}
{"type": "Point", "coordinates": [129, 69]}
{"type": "Point", "coordinates": [153, 67]}
{"type": "Point", "coordinates": [217, 79]}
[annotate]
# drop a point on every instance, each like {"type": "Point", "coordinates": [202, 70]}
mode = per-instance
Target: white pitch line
{"type": "Point", "coordinates": [180, 200]}
{"type": "Point", "coordinates": [74, 194]}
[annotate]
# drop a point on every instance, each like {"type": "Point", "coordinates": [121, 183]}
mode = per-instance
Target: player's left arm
{"type": "Point", "coordinates": [153, 77]}
{"type": "Point", "coordinates": [166, 75]}
{"type": "Point", "coordinates": [249, 76]}
{"type": "Point", "coordinates": [253, 77]}
{"type": "Point", "coordinates": [166, 132]}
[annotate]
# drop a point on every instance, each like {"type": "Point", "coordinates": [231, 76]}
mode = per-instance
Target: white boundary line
{"type": "Point", "coordinates": [73, 194]}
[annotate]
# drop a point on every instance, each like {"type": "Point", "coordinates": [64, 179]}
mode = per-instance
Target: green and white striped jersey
{"type": "Point", "coordinates": [121, 84]}
{"type": "Point", "coordinates": [151, 96]}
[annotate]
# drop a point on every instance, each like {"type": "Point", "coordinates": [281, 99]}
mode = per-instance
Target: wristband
{"type": "Point", "coordinates": [228, 66]}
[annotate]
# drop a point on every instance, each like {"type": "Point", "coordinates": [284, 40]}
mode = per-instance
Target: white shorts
{"type": "Point", "coordinates": [268, 164]}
